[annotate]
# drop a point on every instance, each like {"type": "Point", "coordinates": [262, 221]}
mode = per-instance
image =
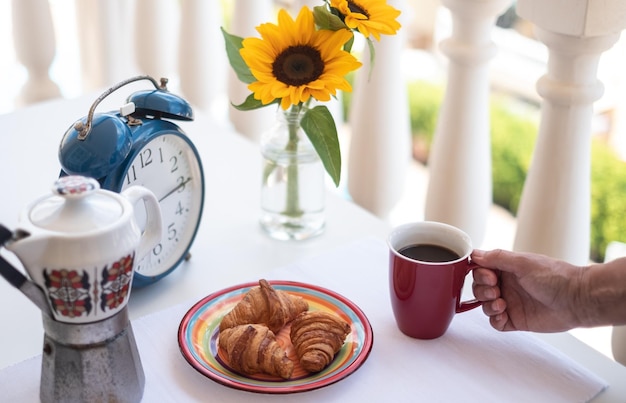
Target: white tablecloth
{"type": "Point", "coordinates": [470, 363]}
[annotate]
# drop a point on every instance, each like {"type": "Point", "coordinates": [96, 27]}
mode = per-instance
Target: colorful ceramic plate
{"type": "Point", "coordinates": [199, 330]}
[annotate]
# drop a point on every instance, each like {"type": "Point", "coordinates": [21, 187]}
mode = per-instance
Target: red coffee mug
{"type": "Point", "coordinates": [425, 295]}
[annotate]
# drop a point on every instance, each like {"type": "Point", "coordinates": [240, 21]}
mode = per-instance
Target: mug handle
{"type": "Point", "coordinates": [152, 233]}
{"type": "Point", "coordinates": [473, 303]}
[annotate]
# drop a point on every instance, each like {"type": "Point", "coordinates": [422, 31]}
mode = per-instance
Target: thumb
{"type": "Point", "coordinates": [498, 259]}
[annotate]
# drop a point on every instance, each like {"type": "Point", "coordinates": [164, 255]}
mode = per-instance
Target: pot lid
{"type": "Point", "coordinates": [76, 205]}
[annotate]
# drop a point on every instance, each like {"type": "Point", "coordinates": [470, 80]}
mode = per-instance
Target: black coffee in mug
{"type": "Point", "coordinates": [429, 253]}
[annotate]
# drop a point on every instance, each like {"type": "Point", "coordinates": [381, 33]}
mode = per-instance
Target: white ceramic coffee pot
{"type": "Point", "coordinates": [79, 246]}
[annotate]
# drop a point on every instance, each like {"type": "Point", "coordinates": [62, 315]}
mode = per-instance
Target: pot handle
{"type": "Point", "coordinates": [152, 233]}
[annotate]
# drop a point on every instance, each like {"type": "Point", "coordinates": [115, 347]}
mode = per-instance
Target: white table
{"type": "Point", "coordinates": [229, 249]}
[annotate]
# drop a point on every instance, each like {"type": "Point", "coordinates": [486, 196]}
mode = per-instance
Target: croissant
{"type": "Point", "coordinates": [317, 336]}
{"type": "Point", "coordinates": [265, 305]}
{"type": "Point", "coordinates": [253, 349]}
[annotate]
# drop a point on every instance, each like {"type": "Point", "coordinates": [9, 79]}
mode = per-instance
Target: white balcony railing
{"type": "Point", "coordinates": [181, 40]}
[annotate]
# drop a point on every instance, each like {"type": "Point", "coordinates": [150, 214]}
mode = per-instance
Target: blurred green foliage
{"type": "Point", "coordinates": [608, 199]}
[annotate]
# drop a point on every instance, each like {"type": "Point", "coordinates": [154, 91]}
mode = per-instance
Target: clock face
{"type": "Point", "coordinates": [169, 166]}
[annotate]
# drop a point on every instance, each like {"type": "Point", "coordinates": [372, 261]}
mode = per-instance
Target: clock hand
{"type": "Point", "coordinates": [175, 189]}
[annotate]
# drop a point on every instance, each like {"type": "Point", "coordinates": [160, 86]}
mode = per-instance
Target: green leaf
{"type": "Point", "coordinates": [348, 45]}
{"type": "Point", "coordinates": [233, 45]}
{"type": "Point", "coordinates": [251, 103]}
{"type": "Point", "coordinates": [327, 20]}
{"type": "Point", "coordinates": [319, 126]}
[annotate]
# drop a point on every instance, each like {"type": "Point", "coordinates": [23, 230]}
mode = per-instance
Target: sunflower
{"type": "Point", "coordinates": [368, 16]}
{"type": "Point", "coordinates": [293, 61]}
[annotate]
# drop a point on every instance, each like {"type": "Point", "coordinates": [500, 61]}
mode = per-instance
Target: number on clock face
{"type": "Point", "coordinates": [168, 166]}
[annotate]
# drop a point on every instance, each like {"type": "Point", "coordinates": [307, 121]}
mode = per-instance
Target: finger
{"type": "Point", "coordinates": [485, 293]}
{"type": "Point", "coordinates": [489, 258]}
{"type": "Point", "coordinates": [495, 307]}
{"type": "Point", "coordinates": [499, 322]}
{"type": "Point", "coordinates": [484, 276]}
{"type": "Point", "coordinates": [502, 260]}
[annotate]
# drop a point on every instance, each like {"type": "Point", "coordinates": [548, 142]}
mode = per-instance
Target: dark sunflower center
{"type": "Point", "coordinates": [298, 65]}
{"type": "Point", "coordinates": [356, 8]}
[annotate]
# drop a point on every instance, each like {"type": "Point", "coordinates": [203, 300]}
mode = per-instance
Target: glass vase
{"type": "Point", "coordinates": [293, 189]}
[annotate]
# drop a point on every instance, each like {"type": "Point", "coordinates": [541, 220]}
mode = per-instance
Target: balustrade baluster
{"type": "Point", "coordinates": [202, 60]}
{"type": "Point", "coordinates": [459, 189]}
{"type": "Point", "coordinates": [247, 15]}
{"type": "Point", "coordinates": [554, 211]}
{"type": "Point", "coordinates": [35, 47]}
{"type": "Point", "coordinates": [157, 24]}
{"type": "Point", "coordinates": [103, 28]}
{"type": "Point", "coordinates": [380, 138]}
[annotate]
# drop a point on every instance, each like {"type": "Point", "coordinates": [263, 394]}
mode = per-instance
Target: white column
{"type": "Point", "coordinates": [202, 59]}
{"type": "Point", "coordinates": [297, 4]}
{"type": "Point", "coordinates": [459, 190]}
{"type": "Point", "coordinates": [554, 211]}
{"type": "Point", "coordinates": [104, 39]}
{"type": "Point", "coordinates": [35, 47]}
{"type": "Point", "coordinates": [380, 139]}
{"type": "Point", "coordinates": [247, 15]}
{"type": "Point", "coordinates": [423, 22]}
{"type": "Point", "coordinates": [611, 72]}
{"type": "Point", "coordinates": [156, 36]}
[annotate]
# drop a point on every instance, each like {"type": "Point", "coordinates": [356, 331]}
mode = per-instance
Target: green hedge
{"type": "Point", "coordinates": [513, 137]}
{"type": "Point", "coordinates": [512, 141]}
{"type": "Point", "coordinates": [608, 199]}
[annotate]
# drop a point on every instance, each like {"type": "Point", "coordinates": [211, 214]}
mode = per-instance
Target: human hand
{"type": "Point", "coordinates": [525, 291]}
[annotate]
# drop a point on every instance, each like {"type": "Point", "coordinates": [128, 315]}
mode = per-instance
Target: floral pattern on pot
{"type": "Point", "coordinates": [68, 291]}
{"type": "Point", "coordinates": [116, 282]}
{"type": "Point", "coordinates": [71, 294]}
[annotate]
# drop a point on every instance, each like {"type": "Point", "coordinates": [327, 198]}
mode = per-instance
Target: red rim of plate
{"type": "Point", "coordinates": [211, 367]}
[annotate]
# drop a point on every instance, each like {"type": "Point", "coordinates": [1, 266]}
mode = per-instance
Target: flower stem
{"type": "Point", "coordinates": [292, 205]}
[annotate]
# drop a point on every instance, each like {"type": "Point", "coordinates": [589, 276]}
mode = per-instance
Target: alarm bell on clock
{"type": "Point", "coordinates": [139, 145]}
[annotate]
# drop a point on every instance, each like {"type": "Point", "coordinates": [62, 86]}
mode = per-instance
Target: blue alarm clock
{"type": "Point", "coordinates": [139, 145]}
